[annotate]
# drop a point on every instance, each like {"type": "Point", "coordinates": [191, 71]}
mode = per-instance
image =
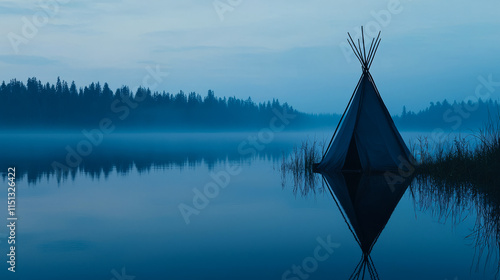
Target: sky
{"type": "Point", "coordinates": [291, 50]}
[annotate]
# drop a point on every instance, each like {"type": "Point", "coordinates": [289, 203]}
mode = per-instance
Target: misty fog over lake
{"type": "Point", "coordinates": [120, 208]}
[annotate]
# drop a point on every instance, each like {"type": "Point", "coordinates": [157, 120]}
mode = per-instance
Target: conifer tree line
{"type": "Point", "coordinates": [63, 105]}
{"type": "Point", "coordinates": [456, 116]}
{"type": "Point", "coordinates": [37, 105]}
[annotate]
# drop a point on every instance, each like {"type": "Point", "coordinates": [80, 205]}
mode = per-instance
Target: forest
{"type": "Point", "coordinates": [37, 106]}
{"type": "Point", "coordinates": [446, 116]}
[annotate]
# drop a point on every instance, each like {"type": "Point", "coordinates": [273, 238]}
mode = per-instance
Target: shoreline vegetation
{"type": "Point", "coordinates": [37, 106]}
{"type": "Point", "coordinates": [462, 178]}
{"type": "Point", "coordinates": [298, 166]}
{"type": "Point", "coordinates": [452, 179]}
{"type": "Point", "coordinates": [473, 159]}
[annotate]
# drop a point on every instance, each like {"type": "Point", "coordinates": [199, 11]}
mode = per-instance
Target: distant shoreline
{"type": "Point", "coordinates": [64, 107]}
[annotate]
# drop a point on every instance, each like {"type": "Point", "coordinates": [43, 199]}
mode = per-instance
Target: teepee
{"type": "Point", "coordinates": [366, 138]}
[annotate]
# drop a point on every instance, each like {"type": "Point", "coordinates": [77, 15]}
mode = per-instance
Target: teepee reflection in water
{"type": "Point", "coordinates": [366, 203]}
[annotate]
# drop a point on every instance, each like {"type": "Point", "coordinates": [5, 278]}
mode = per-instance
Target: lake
{"type": "Point", "coordinates": [212, 206]}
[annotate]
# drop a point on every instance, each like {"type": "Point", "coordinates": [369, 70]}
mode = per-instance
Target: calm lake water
{"type": "Point", "coordinates": [117, 214]}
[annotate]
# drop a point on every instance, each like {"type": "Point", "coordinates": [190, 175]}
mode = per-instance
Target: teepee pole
{"type": "Point", "coordinates": [354, 51]}
{"type": "Point", "coordinates": [355, 272]}
{"type": "Point", "coordinates": [364, 49]}
{"type": "Point", "coordinates": [370, 50]}
{"type": "Point", "coordinates": [354, 44]}
{"type": "Point", "coordinates": [364, 269]}
{"type": "Point", "coordinates": [360, 51]}
{"type": "Point", "coordinates": [371, 54]}
{"type": "Point", "coordinates": [374, 52]}
{"type": "Point", "coordinates": [373, 267]}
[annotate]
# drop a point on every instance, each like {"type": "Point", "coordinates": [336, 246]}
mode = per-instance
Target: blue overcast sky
{"type": "Point", "coordinates": [291, 50]}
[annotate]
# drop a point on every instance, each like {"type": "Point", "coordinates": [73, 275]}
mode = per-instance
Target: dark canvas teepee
{"type": "Point", "coordinates": [366, 138]}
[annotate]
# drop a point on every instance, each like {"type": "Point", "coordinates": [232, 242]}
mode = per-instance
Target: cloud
{"type": "Point", "coordinates": [12, 8]}
{"type": "Point", "coordinates": [27, 60]}
{"type": "Point", "coordinates": [285, 47]}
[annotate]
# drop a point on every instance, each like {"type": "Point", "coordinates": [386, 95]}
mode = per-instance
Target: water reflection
{"type": "Point", "coordinates": [453, 201]}
{"type": "Point", "coordinates": [366, 203]}
{"type": "Point", "coordinates": [34, 155]}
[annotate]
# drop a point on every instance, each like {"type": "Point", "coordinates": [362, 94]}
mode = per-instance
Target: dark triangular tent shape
{"type": "Point", "coordinates": [366, 203]}
{"type": "Point", "coordinates": [366, 138]}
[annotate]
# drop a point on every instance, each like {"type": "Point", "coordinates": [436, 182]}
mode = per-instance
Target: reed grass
{"type": "Point", "coordinates": [299, 165]}
{"type": "Point", "coordinates": [462, 162]}
{"type": "Point", "coordinates": [453, 180]}
{"type": "Point", "coordinates": [463, 177]}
